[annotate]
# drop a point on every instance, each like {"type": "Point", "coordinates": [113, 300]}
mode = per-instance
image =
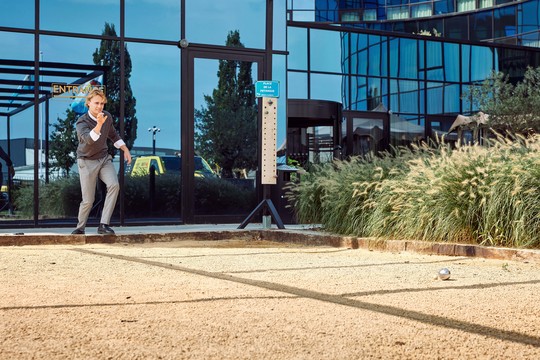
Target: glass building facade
{"type": "Point", "coordinates": [504, 21]}
{"type": "Point", "coordinates": [175, 66]}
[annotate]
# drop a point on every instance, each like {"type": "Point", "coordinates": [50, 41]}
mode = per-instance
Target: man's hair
{"type": "Point", "coordinates": [95, 92]}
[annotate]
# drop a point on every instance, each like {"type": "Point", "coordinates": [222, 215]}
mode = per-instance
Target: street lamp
{"type": "Point", "coordinates": [154, 130]}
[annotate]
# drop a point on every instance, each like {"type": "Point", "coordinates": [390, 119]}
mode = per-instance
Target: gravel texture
{"type": "Point", "coordinates": [262, 300]}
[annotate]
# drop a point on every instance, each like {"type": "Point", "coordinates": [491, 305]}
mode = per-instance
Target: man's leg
{"type": "Point", "coordinates": [88, 173]}
{"type": "Point", "coordinates": [108, 175]}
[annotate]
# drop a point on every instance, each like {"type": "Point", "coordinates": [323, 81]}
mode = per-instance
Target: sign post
{"type": "Point", "coordinates": [269, 92]}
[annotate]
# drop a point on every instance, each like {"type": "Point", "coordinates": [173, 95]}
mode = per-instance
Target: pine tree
{"type": "Point", "coordinates": [108, 55]}
{"type": "Point", "coordinates": [226, 129]}
{"type": "Point", "coordinates": [63, 142]}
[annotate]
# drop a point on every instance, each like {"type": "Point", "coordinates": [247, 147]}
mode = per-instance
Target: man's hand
{"type": "Point", "coordinates": [127, 154]}
{"type": "Point", "coordinates": [101, 118]}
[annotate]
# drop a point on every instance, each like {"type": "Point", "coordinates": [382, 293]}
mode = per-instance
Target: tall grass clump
{"type": "Point", "coordinates": [470, 194]}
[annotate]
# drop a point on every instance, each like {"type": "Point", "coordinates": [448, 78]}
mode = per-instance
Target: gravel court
{"type": "Point", "coordinates": [246, 300]}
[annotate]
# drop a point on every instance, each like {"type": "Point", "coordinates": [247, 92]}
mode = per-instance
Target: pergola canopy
{"type": "Point", "coordinates": [17, 82]}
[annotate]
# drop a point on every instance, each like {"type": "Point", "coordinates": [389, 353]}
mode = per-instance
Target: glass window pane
{"type": "Point", "coordinates": [421, 10]}
{"type": "Point", "coordinates": [456, 27]}
{"type": "Point", "coordinates": [481, 62]}
{"type": "Point", "coordinates": [280, 26]}
{"type": "Point", "coordinates": [466, 5]}
{"type": "Point", "coordinates": [505, 21]}
{"type": "Point", "coordinates": [359, 93]}
{"type": "Point", "coordinates": [246, 16]}
{"type": "Point", "coordinates": [79, 16]}
{"type": "Point", "coordinates": [17, 46]}
{"type": "Point", "coordinates": [404, 58]}
{"type": "Point", "coordinates": [377, 63]}
{"type": "Point", "coordinates": [163, 15]}
{"type": "Point", "coordinates": [434, 60]}
{"type": "Point", "coordinates": [397, 12]}
{"type": "Point", "coordinates": [451, 98]}
{"type": "Point", "coordinates": [326, 87]}
{"type": "Point", "coordinates": [404, 96]}
{"type": "Point", "coordinates": [18, 13]}
{"type": "Point", "coordinates": [434, 96]}
{"type": "Point", "coordinates": [481, 26]}
{"type": "Point", "coordinates": [359, 54]}
{"type": "Point", "coordinates": [325, 50]}
{"type": "Point", "coordinates": [451, 62]}
{"type": "Point", "coordinates": [528, 16]}
{"type": "Point", "coordinates": [279, 73]}
{"type": "Point", "coordinates": [443, 6]}
{"type": "Point", "coordinates": [297, 46]}
{"type": "Point", "coordinates": [297, 87]}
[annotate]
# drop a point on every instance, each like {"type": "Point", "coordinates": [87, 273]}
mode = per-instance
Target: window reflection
{"type": "Point", "coordinates": [18, 13]}
{"type": "Point", "coordinates": [78, 16]}
{"type": "Point", "coordinates": [162, 16]}
{"type": "Point", "coordinates": [325, 50]}
{"type": "Point", "coordinates": [297, 46]}
{"type": "Point", "coordinates": [246, 16]}
{"type": "Point", "coordinates": [326, 87]}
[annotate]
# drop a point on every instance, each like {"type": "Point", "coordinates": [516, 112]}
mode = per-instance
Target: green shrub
{"type": "Point", "coordinates": [61, 198]}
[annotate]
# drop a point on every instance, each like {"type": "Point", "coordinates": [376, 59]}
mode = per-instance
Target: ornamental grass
{"type": "Point", "coordinates": [485, 195]}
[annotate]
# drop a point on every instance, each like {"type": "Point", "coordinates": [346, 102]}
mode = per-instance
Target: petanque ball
{"type": "Point", "coordinates": [444, 274]}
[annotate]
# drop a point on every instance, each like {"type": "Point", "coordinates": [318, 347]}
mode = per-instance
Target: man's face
{"type": "Point", "coordinates": [96, 105]}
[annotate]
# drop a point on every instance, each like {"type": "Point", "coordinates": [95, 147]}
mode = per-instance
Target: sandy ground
{"type": "Point", "coordinates": [259, 300]}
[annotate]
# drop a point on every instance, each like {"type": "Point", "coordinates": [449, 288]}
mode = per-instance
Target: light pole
{"type": "Point", "coordinates": [154, 130]}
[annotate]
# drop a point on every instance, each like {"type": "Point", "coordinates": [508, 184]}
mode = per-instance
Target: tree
{"type": "Point", "coordinates": [226, 129]}
{"type": "Point", "coordinates": [63, 143]}
{"type": "Point", "coordinates": [108, 55]}
{"type": "Point", "coordinates": [512, 106]}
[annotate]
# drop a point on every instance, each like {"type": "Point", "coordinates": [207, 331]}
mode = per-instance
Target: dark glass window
{"type": "Point", "coordinates": [528, 16]}
{"type": "Point", "coordinates": [443, 7]}
{"type": "Point", "coordinates": [505, 21]}
{"type": "Point", "coordinates": [163, 15]}
{"type": "Point", "coordinates": [456, 27]}
{"type": "Point", "coordinates": [481, 26]}
{"type": "Point", "coordinates": [209, 21]}
{"type": "Point", "coordinates": [18, 13]}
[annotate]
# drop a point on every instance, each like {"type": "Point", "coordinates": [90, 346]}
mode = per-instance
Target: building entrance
{"type": "Point", "coordinates": [220, 136]}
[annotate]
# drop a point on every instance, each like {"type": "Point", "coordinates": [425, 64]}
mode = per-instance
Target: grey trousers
{"type": "Point", "coordinates": [89, 171]}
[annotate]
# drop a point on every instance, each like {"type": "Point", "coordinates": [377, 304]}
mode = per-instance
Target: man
{"type": "Point", "coordinates": [93, 160]}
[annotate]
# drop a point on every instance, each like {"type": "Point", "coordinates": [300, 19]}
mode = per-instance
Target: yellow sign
{"type": "Point", "coordinates": [74, 91]}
